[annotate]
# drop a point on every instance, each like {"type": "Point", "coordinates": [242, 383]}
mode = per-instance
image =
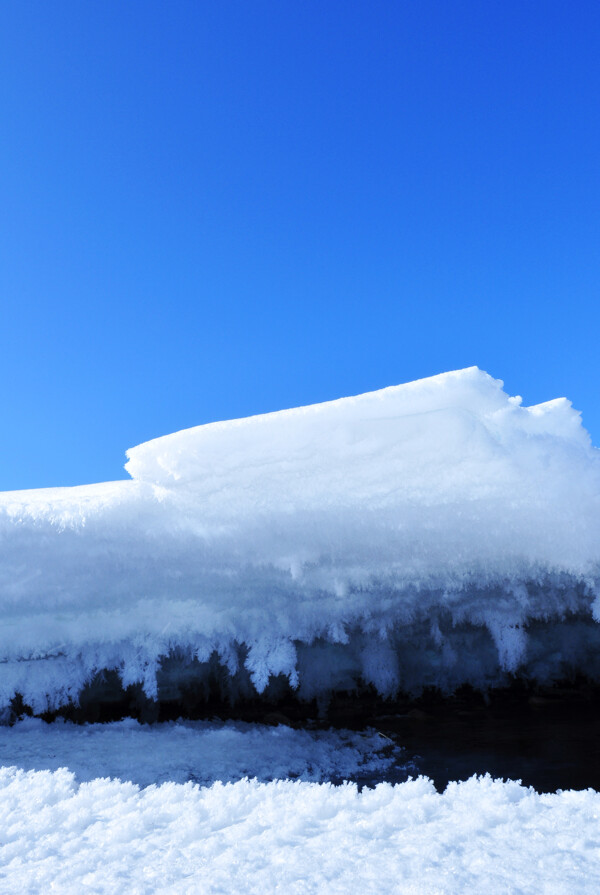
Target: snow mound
{"type": "Point", "coordinates": [436, 532]}
{"type": "Point", "coordinates": [482, 835]}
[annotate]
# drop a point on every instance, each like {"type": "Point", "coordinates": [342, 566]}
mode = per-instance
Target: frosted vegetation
{"type": "Point", "coordinates": [433, 533]}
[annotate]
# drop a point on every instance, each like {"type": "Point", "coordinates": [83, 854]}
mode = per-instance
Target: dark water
{"type": "Point", "coordinates": [550, 739]}
{"type": "Point", "coordinates": [547, 737]}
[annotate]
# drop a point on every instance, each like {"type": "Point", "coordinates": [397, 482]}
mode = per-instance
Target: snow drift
{"type": "Point", "coordinates": [432, 533]}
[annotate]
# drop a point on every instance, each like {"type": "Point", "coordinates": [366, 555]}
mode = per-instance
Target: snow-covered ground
{"type": "Point", "coordinates": [430, 533]}
{"type": "Point", "coordinates": [66, 826]}
{"type": "Point", "coordinates": [111, 837]}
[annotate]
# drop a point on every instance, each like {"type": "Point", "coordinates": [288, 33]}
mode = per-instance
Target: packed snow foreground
{"type": "Point", "coordinates": [433, 533]}
{"type": "Point", "coordinates": [111, 837]}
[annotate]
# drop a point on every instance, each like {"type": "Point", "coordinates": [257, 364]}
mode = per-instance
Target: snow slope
{"type": "Point", "coordinates": [482, 835]}
{"type": "Point", "coordinates": [430, 533]}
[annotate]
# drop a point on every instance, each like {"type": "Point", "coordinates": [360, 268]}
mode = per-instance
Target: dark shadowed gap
{"type": "Point", "coordinates": [546, 736]}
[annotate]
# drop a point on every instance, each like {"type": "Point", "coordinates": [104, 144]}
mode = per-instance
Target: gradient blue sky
{"type": "Point", "coordinates": [214, 209]}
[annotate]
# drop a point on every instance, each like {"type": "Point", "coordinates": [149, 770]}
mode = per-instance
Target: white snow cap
{"type": "Point", "coordinates": [388, 440]}
{"type": "Point", "coordinates": [429, 533]}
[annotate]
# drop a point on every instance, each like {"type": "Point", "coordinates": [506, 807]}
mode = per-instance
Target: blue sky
{"type": "Point", "coordinates": [214, 209]}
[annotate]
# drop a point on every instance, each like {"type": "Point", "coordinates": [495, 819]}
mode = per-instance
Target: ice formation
{"type": "Point", "coordinates": [201, 752]}
{"type": "Point", "coordinates": [481, 835]}
{"type": "Point", "coordinates": [436, 532]}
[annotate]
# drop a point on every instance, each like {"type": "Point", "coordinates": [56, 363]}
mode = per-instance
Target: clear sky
{"type": "Point", "coordinates": [214, 209]}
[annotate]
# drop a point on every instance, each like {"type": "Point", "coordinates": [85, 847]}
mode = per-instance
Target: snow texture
{"type": "Point", "coordinates": [481, 835]}
{"type": "Point", "coordinates": [436, 532]}
{"type": "Point", "coordinates": [198, 751]}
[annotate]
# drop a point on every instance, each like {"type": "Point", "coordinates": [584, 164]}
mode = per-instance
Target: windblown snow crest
{"type": "Point", "coordinates": [433, 533]}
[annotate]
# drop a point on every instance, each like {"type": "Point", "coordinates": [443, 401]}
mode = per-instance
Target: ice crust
{"type": "Point", "coordinates": [436, 532]}
{"type": "Point", "coordinates": [481, 835]}
{"type": "Point", "coordinates": [201, 752]}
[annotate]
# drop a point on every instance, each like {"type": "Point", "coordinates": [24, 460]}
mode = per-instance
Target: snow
{"type": "Point", "coordinates": [481, 835]}
{"type": "Point", "coordinates": [198, 751]}
{"type": "Point", "coordinates": [436, 532]}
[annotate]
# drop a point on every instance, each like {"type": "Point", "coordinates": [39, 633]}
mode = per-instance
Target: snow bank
{"type": "Point", "coordinates": [482, 835]}
{"type": "Point", "coordinates": [431, 533]}
{"type": "Point", "coordinates": [199, 751]}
